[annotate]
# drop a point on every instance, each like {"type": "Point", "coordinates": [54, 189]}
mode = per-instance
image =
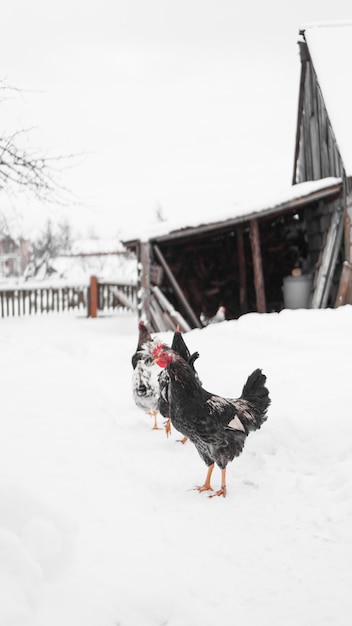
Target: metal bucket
{"type": "Point", "coordinates": [297, 291]}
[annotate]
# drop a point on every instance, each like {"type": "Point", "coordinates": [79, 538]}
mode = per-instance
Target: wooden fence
{"type": "Point", "coordinates": [21, 301]}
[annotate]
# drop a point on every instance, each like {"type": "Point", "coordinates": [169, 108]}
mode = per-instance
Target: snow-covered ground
{"type": "Point", "coordinates": [99, 522]}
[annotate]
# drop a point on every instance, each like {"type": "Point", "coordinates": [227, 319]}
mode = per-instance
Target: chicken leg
{"type": "Point", "coordinates": [207, 486]}
{"type": "Point", "coordinates": [168, 428]}
{"type": "Point", "coordinates": [222, 491]}
{"type": "Point", "coordinates": [154, 414]}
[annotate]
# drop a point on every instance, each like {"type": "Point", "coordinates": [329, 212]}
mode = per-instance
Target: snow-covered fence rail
{"type": "Point", "coordinates": [32, 300]}
{"type": "Point", "coordinates": [112, 296]}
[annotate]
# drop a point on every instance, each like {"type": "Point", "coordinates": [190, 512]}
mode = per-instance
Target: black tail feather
{"type": "Point", "coordinates": [193, 358]}
{"type": "Point", "coordinates": [256, 393]}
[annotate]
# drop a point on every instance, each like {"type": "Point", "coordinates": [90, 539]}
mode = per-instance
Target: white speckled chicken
{"type": "Point", "coordinates": [145, 384]}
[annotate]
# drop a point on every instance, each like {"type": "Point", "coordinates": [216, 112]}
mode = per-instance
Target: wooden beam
{"type": "Point", "coordinates": [328, 258]}
{"type": "Point", "coordinates": [241, 270]}
{"type": "Point", "coordinates": [304, 59]}
{"type": "Point", "coordinates": [177, 289]}
{"type": "Point", "coordinates": [143, 303]}
{"type": "Point", "coordinates": [257, 266]}
{"type": "Point", "coordinates": [125, 300]}
{"type": "Point", "coordinates": [174, 315]}
{"type": "Point", "coordinates": [157, 317]}
{"type": "Point", "coordinates": [348, 229]}
{"type": "Point", "coordinates": [344, 294]}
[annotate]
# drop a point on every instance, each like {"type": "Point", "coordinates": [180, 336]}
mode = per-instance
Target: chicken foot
{"type": "Point", "coordinates": [222, 491]}
{"type": "Point", "coordinates": [168, 428]}
{"type": "Point", "coordinates": [154, 414]}
{"type": "Point", "coordinates": [207, 486]}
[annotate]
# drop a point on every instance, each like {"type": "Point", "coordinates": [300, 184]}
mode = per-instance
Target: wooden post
{"type": "Point", "coordinates": [143, 304]}
{"type": "Point", "coordinates": [257, 267]}
{"type": "Point", "coordinates": [348, 230]}
{"type": "Point", "coordinates": [344, 294]}
{"type": "Point", "coordinates": [93, 297]}
{"type": "Point", "coordinates": [174, 315]}
{"type": "Point", "coordinates": [242, 270]}
{"type": "Point", "coordinates": [328, 258]}
{"type": "Point", "coordinates": [177, 288]}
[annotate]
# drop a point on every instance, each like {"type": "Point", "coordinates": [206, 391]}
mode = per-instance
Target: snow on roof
{"type": "Point", "coordinates": [97, 246]}
{"type": "Point", "coordinates": [258, 205]}
{"type": "Point", "coordinates": [330, 47]}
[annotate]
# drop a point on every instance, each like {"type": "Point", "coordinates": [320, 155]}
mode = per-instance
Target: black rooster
{"type": "Point", "coordinates": [217, 426]}
{"type": "Point", "coordinates": [179, 346]}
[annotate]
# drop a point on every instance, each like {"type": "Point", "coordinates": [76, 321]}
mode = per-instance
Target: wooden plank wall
{"type": "Point", "coordinates": [318, 155]}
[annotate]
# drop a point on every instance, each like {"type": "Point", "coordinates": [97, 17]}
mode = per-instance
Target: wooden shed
{"type": "Point", "coordinates": [241, 260]}
{"type": "Point", "coordinates": [324, 136]}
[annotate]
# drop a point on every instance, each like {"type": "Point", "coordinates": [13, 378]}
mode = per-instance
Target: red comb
{"type": "Point", "coordinates": [158, 350]}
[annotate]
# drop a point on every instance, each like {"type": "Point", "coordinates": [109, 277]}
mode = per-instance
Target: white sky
{"type": "Point", "coordinates": [184, 105]}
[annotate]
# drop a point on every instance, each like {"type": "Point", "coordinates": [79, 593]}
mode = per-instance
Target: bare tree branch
{"type": "Point", "coordinates": [26, 170]}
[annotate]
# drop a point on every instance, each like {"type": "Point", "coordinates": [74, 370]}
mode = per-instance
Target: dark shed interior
{"type": "Point", "coordinates": [239, 266]}
{"type": "Point", "coordinates": [208, 267]}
